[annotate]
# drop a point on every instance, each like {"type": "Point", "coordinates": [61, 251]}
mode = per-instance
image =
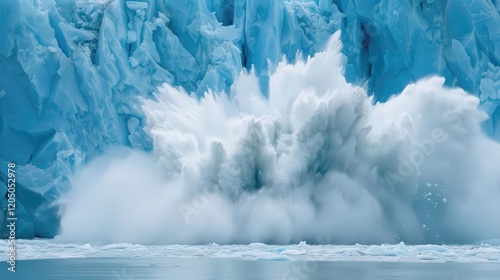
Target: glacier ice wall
{"type": "Point", "coordinates": [71, 71]}
{"type": "Point", "coordinates": [316, 161]}
{"type": "Point", "coordinates": [395, 42]}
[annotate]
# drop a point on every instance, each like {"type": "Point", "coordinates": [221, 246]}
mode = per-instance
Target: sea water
{"type": "Point", "coordinates": [52, 259]}
{"type": "Point", "coordinates": [232, 269]}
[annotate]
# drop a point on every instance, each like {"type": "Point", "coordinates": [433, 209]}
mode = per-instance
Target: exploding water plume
{"type": "Point", "coordinates": [315, 158]}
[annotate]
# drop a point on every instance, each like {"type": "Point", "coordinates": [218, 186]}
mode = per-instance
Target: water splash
{"type": "Point", "coordinates": [316, 158]}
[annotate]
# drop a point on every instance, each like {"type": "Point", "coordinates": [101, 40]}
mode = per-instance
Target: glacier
{"type": "Point", "coordinates": [75, 75]}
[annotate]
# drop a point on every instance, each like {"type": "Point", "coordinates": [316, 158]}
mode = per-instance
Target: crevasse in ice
{"type": "Point", "coordinates": [71, 71]}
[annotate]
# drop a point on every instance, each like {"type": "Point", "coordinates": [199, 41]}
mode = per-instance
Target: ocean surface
{"type": "Point", "coordinates": [54, 259]}
{"type": "Point", "coordinates": [232, 269]}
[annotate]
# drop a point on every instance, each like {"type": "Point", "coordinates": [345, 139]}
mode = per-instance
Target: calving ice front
{"type": "Point", "coordinates": [309, 160]}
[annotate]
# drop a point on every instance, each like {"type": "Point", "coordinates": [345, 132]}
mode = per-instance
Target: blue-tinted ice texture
{"type": "Point", "coordinates": [71, 71]}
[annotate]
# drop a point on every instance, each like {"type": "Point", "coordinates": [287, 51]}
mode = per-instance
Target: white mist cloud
{"type": "Point", "coordinates": [315, 159]}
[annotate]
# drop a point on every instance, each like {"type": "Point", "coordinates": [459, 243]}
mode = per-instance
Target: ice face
{"type": "Point", "coordinates": [72, 72]}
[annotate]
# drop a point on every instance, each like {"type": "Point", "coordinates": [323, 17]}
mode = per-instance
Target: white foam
{"type": "Point", "coordinates": [316, 158]}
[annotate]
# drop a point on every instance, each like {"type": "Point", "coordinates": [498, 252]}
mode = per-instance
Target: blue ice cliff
{"type": "Point", "coordinates": [73, 73]}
